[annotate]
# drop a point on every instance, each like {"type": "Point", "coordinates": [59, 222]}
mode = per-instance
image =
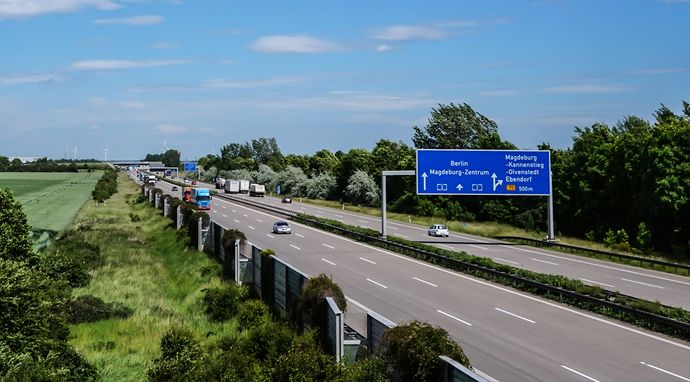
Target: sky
{"type": "Point", "coordinates": [135, 76]}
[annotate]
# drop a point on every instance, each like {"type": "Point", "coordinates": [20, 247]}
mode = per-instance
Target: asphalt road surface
{"type": "Point", "coordinates": [507, 334]}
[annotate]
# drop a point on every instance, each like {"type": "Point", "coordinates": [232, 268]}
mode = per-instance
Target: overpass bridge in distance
{"type": "Point", "coordinates": [144, 165]}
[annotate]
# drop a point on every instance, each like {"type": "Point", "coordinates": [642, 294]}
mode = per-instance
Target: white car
{"type": "Point", "coordinates": [281, 227]}
{"type": "Point", "coordinates": [438, 230]}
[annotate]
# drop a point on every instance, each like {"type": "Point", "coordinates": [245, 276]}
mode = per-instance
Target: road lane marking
{"type": "Point", "coordinates": [446, 246]}
{"type": "Point", "coordinates": [259, 220]}
{"type": "Point", "coordinates": [426, 282]}
{"type": "Point", "coordinates": [478, 246]}
{"type": "Point", "coordinates": [395, 228]}
{"type": "Point", "coordinates": [329, 262]}
{"type": "Point", "coordinates": [641, 283]}
{"type": "Point", "coordinates": [296, 247]}
{"type": "Point", "coordinates": [250, 227]}
{"type": "Point", "coordinates": [245, 215]}
{"type": "Point", "coordinates": [597, 282]}
{"type": "Point", "coordinates": [544, 261]}
{"type": "Point", "coordinates": [339, 216]}
{"type": "Point", "coordinates": [302, 236]}
{"type": "Point", "coordinates": [363, 221]}
{"type": "Point", "coordinates": [599, 265]}
{"type": "Point", "coordinates": [580, 374]}
{"type": "Point", "coordinates": [401, 235]}
{"type": "Point", "coordinates": [507, 261]}
{"type": "Point", "coordinates": [271, 236]}
{"type": "Point", "coordinates": [665, 371]}
{"type": "Point", "coordinates": [515, 315]}
{"type": "Point", "coordinates": [453, 317]}
{"type": "Point", "coordinates": [341, 220]}
{"type": "Point", "coordinates": [236, 221]}
{"type": "Point", "coordinates": [487, 284]}
{"type": "Point", "coordinates": [224, 215]}
{"type": "Point", "coordinates": [379, 284]}
{"type": "Point", "coordinates": [234, 210]}
{"type": "Point", "coordinates": [367, 260]}
{"type": "Point", "coordinates": [301, 211]}
{"type": "Point", "coordinates": [329, 246]}
{"type": "Point", "coordinates": [225, 207]}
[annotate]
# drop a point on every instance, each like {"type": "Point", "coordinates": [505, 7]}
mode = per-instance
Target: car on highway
{"type": "Point", "coordinates": [281, 227]}
{"type": "Point", "coordinates": [186, 180]}
{"type": "Point", "coordinates": [438, 230]}
{"type": "Point", "coordinates": [174, 188]}
{"type": "Point", "coordinates": [194, 182]}
{"type": "Point", "coordinates": [286, 199]}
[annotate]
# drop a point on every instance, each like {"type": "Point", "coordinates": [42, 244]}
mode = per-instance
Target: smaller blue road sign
{"type": "Point", "coordinates": [483, 172]}
{"type": "Point", "coordinates": [189, 166]}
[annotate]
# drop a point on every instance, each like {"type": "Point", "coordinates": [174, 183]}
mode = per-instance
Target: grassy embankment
{"type": "Point", "coordinates": [50, 199]}
{"type": "Point", "coordinates": [150, 270]}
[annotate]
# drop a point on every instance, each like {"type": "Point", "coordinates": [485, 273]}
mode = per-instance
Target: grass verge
{"type": "Point", "coordinates": [147, 268]}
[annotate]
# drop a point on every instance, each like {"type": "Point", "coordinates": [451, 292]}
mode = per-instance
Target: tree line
{"type": "Point", "coordinates": [626, 185]}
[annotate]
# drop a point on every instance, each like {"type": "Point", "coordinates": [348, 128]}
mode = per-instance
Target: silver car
{"type": "Point", "coordinates": [281, 227]}
{"type": "Point", "coordinates": [438, 230]}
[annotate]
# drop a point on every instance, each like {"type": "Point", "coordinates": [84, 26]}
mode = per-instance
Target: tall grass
{"type": "Point", "coordinates": [148, 268]}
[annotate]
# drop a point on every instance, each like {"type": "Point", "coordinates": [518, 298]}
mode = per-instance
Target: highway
{"type": "Point", "coordinates": [507, 334]}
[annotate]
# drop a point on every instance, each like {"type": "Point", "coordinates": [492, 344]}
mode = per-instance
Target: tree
{"type": "Point", "coordinates": [266, 151]}
{"type": "Point", "coordinates": [153, 157]}
{"type": "Point", "coordinates": [362, 189]}
{"type": "Point", "coordinates": [292, 181]}
{"type": "Point", "coordinates": [171, 158]}
{"type": "Point", "coordinates": [301, 161]}
{"type": "Point", "coordinates": [355, 160]}
{"type": "Point", "coordinates": [15, 233]}
{"type": "Point", "coordinates": [321, 186]}
{"type": "Point", "coordinates": [4, 163]}
{"type": "Point", "coordinates": [323, 161]}
{"type": "Point", "coordinates": [454, 127]}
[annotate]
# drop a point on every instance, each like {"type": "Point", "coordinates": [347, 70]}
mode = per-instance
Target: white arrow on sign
{"type": "Point", "coordinates": [459, 187]}
{"type": "Point", "coordinates": [424, 175]}
{"type": "Point", "coordinates": [496, 182]}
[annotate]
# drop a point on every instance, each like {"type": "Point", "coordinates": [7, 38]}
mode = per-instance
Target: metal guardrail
{"type": "Point", "coordinates": [439, 259]}
{"type": "Point", "coordinates": [598, 252]}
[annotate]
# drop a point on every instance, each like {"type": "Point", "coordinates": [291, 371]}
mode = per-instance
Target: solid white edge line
{"type": "Point", "coordinates": [478, 246]}
{"type": "Point", "coordinates": [490, 285]}
{"type": "Point", "coordinates": [329, 262]}
{"type": "Point", "coordinates": [597, 282]}
{"type": "Point", "coordinates": [580, 374]}
{"type": "Point", "coordinates": [515, 315]}
{"type": "Point", "coordinates": [329, 246]}
{"type": "Point", "coordinates": [425, 282]}
{"type": "Point", "coordinates": [446, 246]}
{"type": "Point", "coordinates": [379, 284]}
{"type": "Point", "coordinates": [453, 317]}
{"type": "Point", "coordinates": [665, 371]}
{"type": "Point", "coordinates": [296, 247]}
{"type": "Point", "coordinates": [367, 260]}
{"type": "Point", "coordinates": [544, 261]}
{"type": "Point", "coordinates": [507, 261]}
{"type": "Point", "coordinates": [641, 283]}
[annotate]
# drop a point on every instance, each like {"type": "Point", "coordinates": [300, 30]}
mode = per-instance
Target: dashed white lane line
{"type": "Point", "coordinates": [224, 215]}
{"type": "Point", "coordinates": [296, 247]}
{"type": "Point", "coordinates": [665, 371]}
{"type": "Point", "coordinates": [641, 283]}
{"type": "Point", "coordinates": [329, 262]}
{"type": "Point", "coordinates": [339, 216]}
{"type": "Point", "coordinates": [597, 282]}
{"type": "Point", "coordinates": [506, 261]}
{"type": "Point", "coordinates": [236, 221]}
{"type": "Point", "coordinates": [367, 260]}
{"type": "Point", "coordinates": [379, 284]}
{"type": "Point", "coordinates": [363, 221]}
{"type": "Point", "coordinates": [453, 317]}
{"type": "Point", "coordinates": [302, 236]}
{"type": "Point", "coordinates": [544, 261]}
{"type": "Point", "coordinates": [245, 215]}
{"type": "Point", "coordinates": [329, 246]}
{"type": "Point", "coordinates": [515, 315]}
{"type": "Point", "coordinates": [224, 207]}
{"type": "Point", "coordinates": [479, 246]}
{"type": "Point", "coordinates": [234, 210]}
{"type": "Point", "coordinates": [425, 282]}
{"type": "Point", "coordinates": [580, 374]}
{"type": "Point", "coordinates": [395, 228]}
{"type": "Point", "coordinates": [259, 220]}
{"type": "Point", "coordinates": [271, 236]}
{"type": "Point", "coordinates": [250, 227]}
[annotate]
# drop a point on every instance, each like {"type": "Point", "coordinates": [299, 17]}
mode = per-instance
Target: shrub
{"type": "Point", "coordinates": [221, 304]}
{"type": "Point", "coordinates": [106, 186]}
{"type": "Point", "coordinates": [370, 369]}
{"type": "Point", "coordinates": [229, 238]}
{"type": "Point", "coordinates": [60, 265]}
{"type": "Point", "coordinates": [314, 294]}
{"type": "Point", "coordinates": [90, 308]}
{"type": "Point", "coordinates": [265, 342]}
{"type": "Point", "coordinates": [252, 313]}
{"type": "Point", "coordinates": [305, 361]}
{"type": "Point", "coordinates": [182, 358]}
{"type": "Point", "coordinates": [413, 351]}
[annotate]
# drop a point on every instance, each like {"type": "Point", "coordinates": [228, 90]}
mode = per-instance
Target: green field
{"type": "Point", "coordinates": [50, 199]}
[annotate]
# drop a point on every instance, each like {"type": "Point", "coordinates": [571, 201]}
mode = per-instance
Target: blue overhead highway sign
{"type": "Point", "coordinates": [190, 166]}
{"type": "Point", "coordinates": [483, 172]}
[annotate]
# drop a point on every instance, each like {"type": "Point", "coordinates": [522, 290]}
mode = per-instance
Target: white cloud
{"type": "Point", "coordinates": [498, 93]}
{"type": "Point", "coordinates": [383, 48]}
{"type": "Point", "coordinates": [294, 44]}
{"type": "Point", "coordinates": [167, 128]}
{"type": "Point", "coordinates": [587, 89]}
{"type": "Point", "coordinates": [133, 21]}
{"type": "Point", "coordinates": [408, 32]}
{"type": "Point", "coordinates": [28, 79]}
{"type": "Point", "coordinates": [29, 8]}
{"type": "Point", "coordinates": [123, 64]}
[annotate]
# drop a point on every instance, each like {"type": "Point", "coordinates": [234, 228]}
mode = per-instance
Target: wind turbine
{"type": "Point", "coordinates": [105, 154]}
{"type": "Point", "coordinates": [75, 152]}
{"type": "Point", "coordinates": [165, 146]}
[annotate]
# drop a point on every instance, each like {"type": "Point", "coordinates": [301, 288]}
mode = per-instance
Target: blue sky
{"type": "Point", "coordinates": [130, 74]}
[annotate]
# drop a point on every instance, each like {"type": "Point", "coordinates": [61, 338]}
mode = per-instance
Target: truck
{"type": "Point", "coordinates": [202, 198]}
{"type": "Point", "coordinates": [244, 186]}
{"type": "Point", "coordinates": [150, 180]}
{"type": "Point", "coordinates": [257, 190]}
{"type": "Point", "coordinates": [220, 183]}
{"type": "Point", "coordinates": [232, 186]}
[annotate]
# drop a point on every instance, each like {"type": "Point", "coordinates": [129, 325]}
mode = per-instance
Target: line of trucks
{"type": "Point", "coordinates": [234, 186]}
